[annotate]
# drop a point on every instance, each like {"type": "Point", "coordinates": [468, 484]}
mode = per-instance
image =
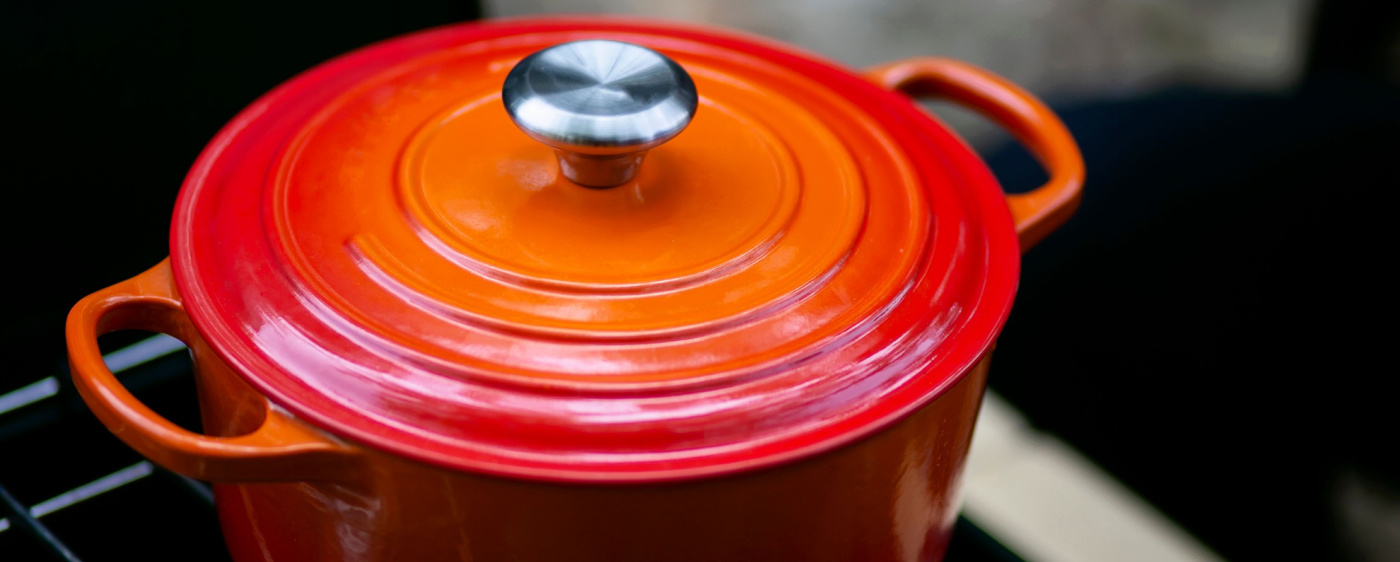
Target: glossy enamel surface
{"type": "Point", "coordinates": [376, 248]}
{"type": "Point", "coordinates": [414, 341]}
{"type": "Point", "coordinates": [287, 492]}
{"type": "Point", "coordinates": [890, 497]}
{"type": "Point", "coordinates": [250, 442]}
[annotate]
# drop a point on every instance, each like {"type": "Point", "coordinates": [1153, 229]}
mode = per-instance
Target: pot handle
{"type": "Point", "coordinates": [1038, 212]}
{"type": "Point", "coordinates": [282, 449]}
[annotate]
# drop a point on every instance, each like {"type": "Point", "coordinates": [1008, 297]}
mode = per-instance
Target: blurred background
{"type": "Point", "coordinates": [1210, 329]}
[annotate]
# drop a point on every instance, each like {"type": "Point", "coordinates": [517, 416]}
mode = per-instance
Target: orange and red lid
{"type": "Point", "coordinates": [379, 249]}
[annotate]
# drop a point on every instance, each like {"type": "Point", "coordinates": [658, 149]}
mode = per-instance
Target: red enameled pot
{"type": "Point", "coordinates": [433, 321]}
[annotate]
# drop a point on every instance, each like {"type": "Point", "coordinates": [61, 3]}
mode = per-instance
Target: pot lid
{"type": "Point", "coordinates": [381, 249]}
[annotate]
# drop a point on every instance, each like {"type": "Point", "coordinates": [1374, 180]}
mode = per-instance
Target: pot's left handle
{"type": "Point", "coordinates": [282, 449]}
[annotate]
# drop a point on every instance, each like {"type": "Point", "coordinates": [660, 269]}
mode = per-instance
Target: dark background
{"type": "Point", "coordinates": [1213, 327]}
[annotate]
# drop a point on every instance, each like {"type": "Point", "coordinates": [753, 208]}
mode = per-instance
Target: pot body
{"type": "Point", "coordinates": [890, 496]}
{"type": "Point", "coordinates": [287, 491]}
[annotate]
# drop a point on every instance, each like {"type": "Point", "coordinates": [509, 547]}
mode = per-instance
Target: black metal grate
{"type": "Point", "coordinates": [69, 490]}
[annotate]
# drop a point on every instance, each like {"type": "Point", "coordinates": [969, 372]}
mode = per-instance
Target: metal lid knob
{"type": "Point", "coordinates": [601, 104]}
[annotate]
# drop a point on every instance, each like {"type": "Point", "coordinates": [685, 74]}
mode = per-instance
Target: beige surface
{"type": "Point", "coordinates": [1048, 503]}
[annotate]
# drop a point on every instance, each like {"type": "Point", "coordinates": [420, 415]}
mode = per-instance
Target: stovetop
{"type": "Point", "coordinates": [69, 490]}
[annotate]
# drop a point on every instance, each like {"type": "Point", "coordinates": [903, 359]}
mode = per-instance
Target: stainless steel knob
{"type": "Point", "coordinates": [601, 104]}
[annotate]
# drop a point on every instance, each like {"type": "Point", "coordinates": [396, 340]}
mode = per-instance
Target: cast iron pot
{"type": "Point", "coordinates": [450, 301]}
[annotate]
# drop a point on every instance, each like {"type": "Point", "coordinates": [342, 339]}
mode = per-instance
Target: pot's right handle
{"type": "Point", "coordinates": [1038, 212]}
{"type": "Point", "coordinates": [282, 449]}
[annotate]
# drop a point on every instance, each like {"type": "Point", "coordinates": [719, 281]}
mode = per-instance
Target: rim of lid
{"type": "Point", "coordinates": [330, 244]}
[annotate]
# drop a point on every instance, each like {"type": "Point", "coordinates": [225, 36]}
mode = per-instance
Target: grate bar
{"type": "Point", "coordinates": [33, 527]}
{"type": "Point", "coordinates": [87, 491]}
{"type": "Point", "coordinates": [134, 355]}
{"type": "Point", "coordinates": [19, 398]}
{"type": "Point", "coordinates": [142, 352]}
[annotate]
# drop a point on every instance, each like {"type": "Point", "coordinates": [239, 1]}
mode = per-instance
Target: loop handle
{"type": "Point", "coordinates": [282, 449]}
{"type": "Point", "coordinates": [1038, 212]}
